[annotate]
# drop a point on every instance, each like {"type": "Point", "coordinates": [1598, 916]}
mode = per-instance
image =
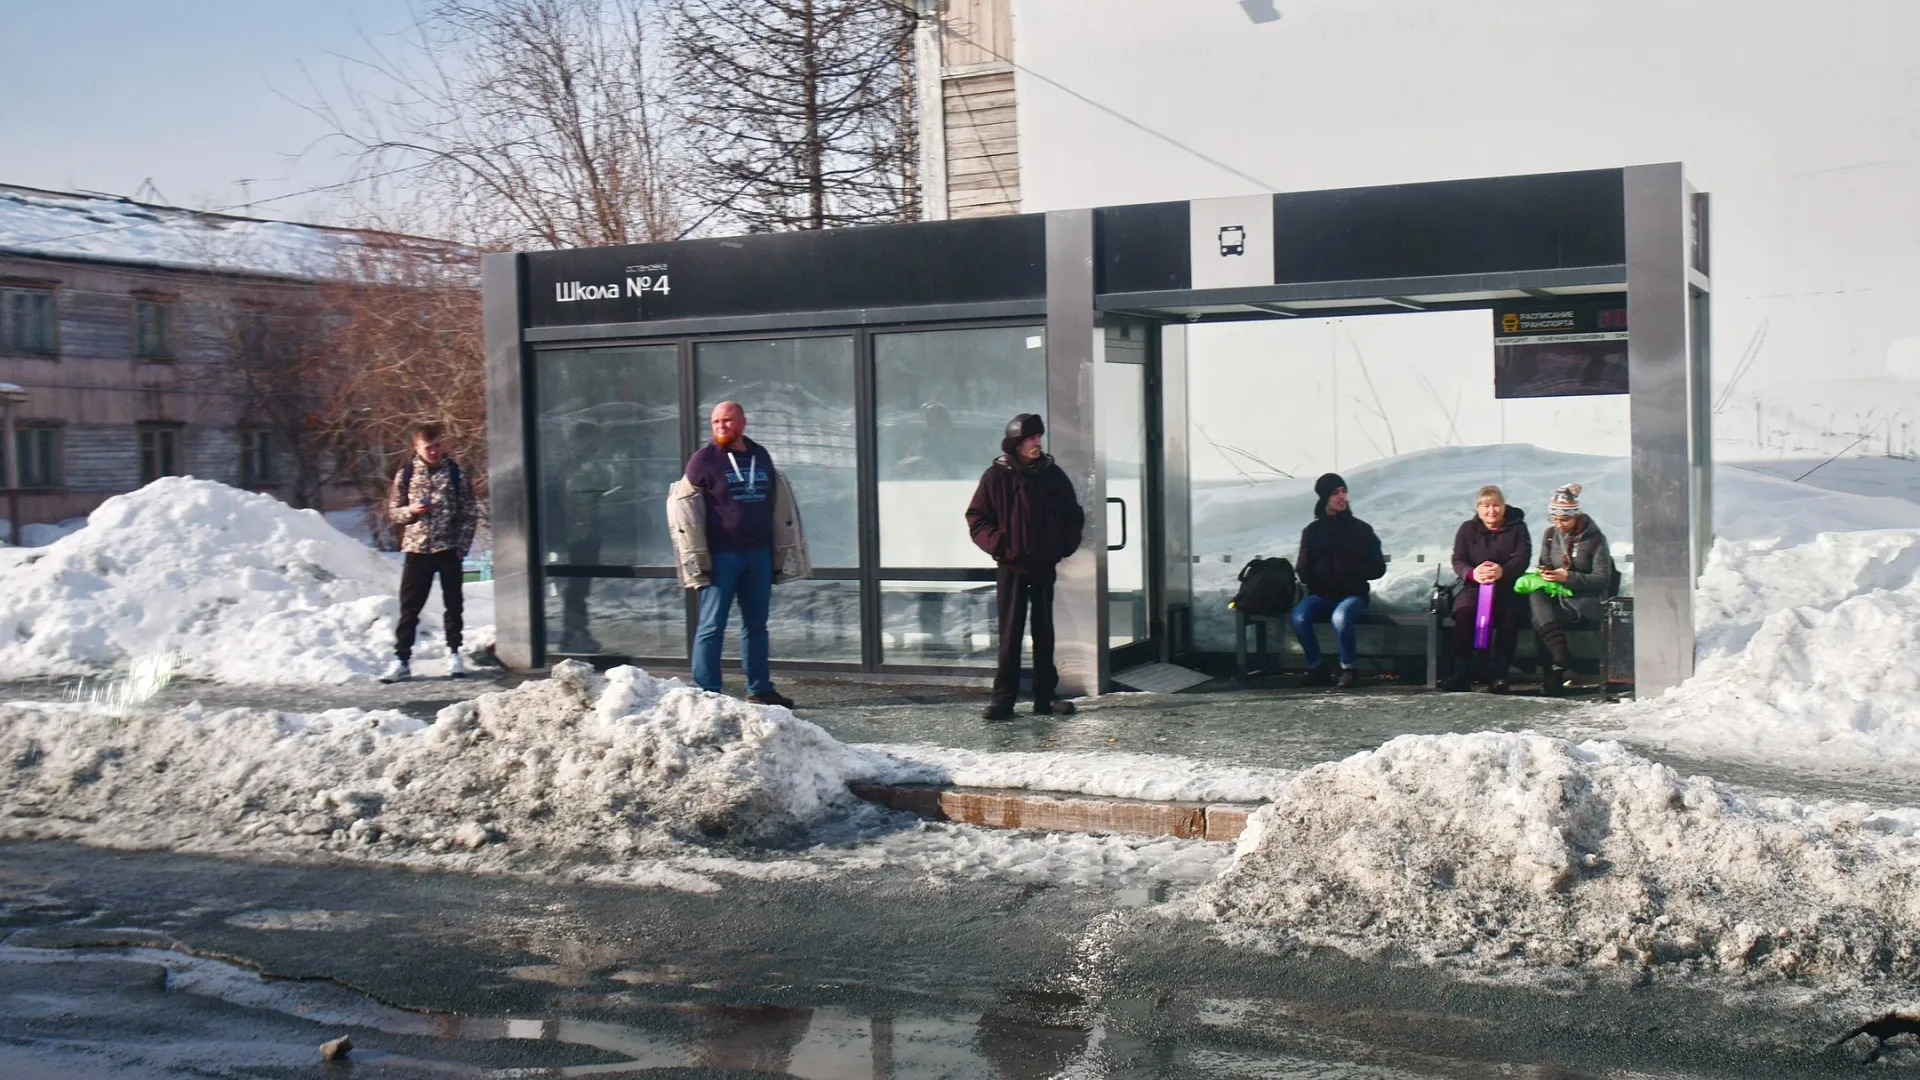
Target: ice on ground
{"type": "Point", "coordinates": [1115, 775]}
{"type": "Point", "coordinates": [941, 852]}
{"type": "Point", "coordinates": [1501, 850]}
{"type": "Point", "coordinates": [1805, 656]}
{"type": "Point", "coordinates": [574, 771]}
{"type": "Point", "coordinates": [238, 586]}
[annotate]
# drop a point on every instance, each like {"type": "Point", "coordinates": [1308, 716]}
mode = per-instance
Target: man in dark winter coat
{"type": "Point", "coordinates": [1339, 555]}
{"type": "Point", "coordinates": [1025, 514]}
{"type": "Point", "coordinates": [1491, 549]}
{"type": "Point", "coordinates": [1573, 553]}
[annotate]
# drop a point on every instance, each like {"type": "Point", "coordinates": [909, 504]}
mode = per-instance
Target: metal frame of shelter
{"type": "Point", "coordinates": [1092, 277]}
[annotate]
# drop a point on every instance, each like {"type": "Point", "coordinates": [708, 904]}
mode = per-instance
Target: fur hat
{"type": "Point", "coordinates": [1324, 488]}
{"type": "Point", "coordinates": [1566, 502]}
{"type": "Point", "coordinates": [1020, 429]}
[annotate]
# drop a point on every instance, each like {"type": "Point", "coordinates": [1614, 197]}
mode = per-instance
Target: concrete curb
{"type": "Point", "coordinates": [997, 808]}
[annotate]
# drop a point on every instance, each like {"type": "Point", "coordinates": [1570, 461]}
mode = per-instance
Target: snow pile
{"type": "Point", "coordinates": [238, 586]}
{"type": "Point", "coordinates": [1806, 656]}
{"type": "Point", "coordinates": [40, 534]}
{"type": "Point", "coordinates": [572, 770]}
{"type": "Point", "coordinates": [1494, 850]}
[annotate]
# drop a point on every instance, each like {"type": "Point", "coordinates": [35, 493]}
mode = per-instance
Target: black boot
{"type": "Point", "coordinates": [1321, 674]}
{"type": "Point", "coordinates": [1553, 680]}
{"type": "Point", "coordinates": [997, 711]}
{"type": "Point", "coordinates": [1497, 676]}
{"type": "Point", "coordinates": [1054, 708]}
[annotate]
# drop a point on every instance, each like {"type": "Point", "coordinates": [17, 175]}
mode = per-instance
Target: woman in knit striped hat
{"type": "Point", "coordinates": [1573, 553]}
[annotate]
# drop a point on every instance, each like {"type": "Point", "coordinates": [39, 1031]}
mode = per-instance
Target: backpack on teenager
{"type": "Point", "coordinates": [1268, 587]}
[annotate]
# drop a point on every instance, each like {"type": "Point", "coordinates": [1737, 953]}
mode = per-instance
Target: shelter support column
{"type": "Point", "coordinates": [1664, 386]}
{"type": "Point", "coordinates": [1176, 487]}
{"type": "Point", "coordinates": [1074, 350]}
{"type": "Point", "coordinates": [508, 464]}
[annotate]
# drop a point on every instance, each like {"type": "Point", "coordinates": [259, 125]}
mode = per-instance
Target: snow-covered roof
{"type": "Point", "coordinates": [108, 228]}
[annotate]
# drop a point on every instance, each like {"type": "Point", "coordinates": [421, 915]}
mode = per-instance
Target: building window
{"type": "Point", "coordinates": [26, 321]}
{"type": "Point", "coordinates": [37, 456]}
{"type": "Point", "coordinates": [152, 328]}
{"type": "Point", "coordinates": [256, 458]}
{"type": "Point", "coordinates": [159, 453]}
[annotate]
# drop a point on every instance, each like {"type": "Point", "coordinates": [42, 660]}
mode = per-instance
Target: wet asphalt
{"type": "Point", "coordinates": [155, 964]}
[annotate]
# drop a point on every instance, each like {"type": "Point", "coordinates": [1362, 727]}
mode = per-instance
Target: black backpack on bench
{"type": "Point", "coordinates": [1268, 588]}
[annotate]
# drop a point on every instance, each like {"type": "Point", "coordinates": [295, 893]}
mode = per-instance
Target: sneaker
{"type": "Point", "coordinates": [1318, 675]}
{"type": "Point", "coordinates": [997, 711]}
{"type": "Point", "coordinates": [1349, 679]}
{"type": "Point", "coordinates": [1054, 708]}
{"type": "Point", "coordinates": [398, 671]}
{"type": "Point", "coordinates": [1498, 686]}
{"type": "Point", "coordinates": [771, 697]}
{"type": "Point", "coordinates": [456, 667]}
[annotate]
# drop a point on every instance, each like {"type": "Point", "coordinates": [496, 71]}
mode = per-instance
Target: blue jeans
{"type": "Point", "coordinates": [748, 576]}
{"type": "Point", "coordinates": [1314, 608]}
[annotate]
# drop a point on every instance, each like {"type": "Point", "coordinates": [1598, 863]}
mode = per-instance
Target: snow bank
{"type": "Point", "coordinates": [1495, 850]}
{"type": "Point", "coordinates": [570, 771]}
{"type": "Point", "coordinates": [242, 587]}
{"type": "Point", "coordinates": [1806, 656]}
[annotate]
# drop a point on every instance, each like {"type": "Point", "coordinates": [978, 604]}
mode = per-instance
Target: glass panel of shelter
{"type": "Point", "coordinates": [799, 397]}
{"type": "Point", "coordinates": [1403, 407]}
{"type": "Point", "coordinates": [942, 399]}
{"type": "Point", "coordinates": [609, 432]}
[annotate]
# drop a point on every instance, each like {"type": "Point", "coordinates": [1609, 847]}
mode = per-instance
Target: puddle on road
{"type": "Point", "coordinates": [820, 1043]}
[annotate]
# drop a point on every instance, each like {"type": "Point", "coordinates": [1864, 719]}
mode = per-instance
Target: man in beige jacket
{"type": "Point", "coordinates": [736, 531]}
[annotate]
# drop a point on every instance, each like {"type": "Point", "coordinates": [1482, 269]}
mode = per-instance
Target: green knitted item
{"type": "Point", "coordinates": [1531, 581]}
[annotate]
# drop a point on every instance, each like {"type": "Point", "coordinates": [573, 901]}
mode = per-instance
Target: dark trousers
{"type": "Point", "coordinates": [1550, 621]}
{"type": "Point", "coordinates": [416, 581]}
{"type": "Point", "coordinates": [1507, 618]}
{"type": "Point", "coordinates": [1017, 589]}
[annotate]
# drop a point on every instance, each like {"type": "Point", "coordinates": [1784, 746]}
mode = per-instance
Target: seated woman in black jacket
{"type": "Point", "coordinates": [1491, 550]}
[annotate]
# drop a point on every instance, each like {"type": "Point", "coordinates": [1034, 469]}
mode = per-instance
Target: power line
{"type": "Point", "coordinates": [237, 206]}
{"type": "Point", "coordinates": [1077, 95]}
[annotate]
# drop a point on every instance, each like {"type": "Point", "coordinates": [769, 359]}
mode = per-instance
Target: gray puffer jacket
{"type": "Point", "coordinates": [1589, 565]}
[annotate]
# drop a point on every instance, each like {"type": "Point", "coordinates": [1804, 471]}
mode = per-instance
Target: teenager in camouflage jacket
{"type": "Point", "coordinates": [432, 501]}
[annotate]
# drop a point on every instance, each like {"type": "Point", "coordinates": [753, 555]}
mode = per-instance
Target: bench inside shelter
{"type": "Point", "coordinates": [1605, 650]}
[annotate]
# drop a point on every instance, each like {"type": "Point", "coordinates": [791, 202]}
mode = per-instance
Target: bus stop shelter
{"type": "Point", "coordinates": [878, 365]}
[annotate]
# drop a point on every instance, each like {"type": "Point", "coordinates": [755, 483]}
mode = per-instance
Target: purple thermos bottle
{"type": "Point", "coordinates": [1483, 619]}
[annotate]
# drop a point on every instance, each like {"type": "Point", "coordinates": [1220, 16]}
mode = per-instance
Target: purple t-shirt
{"type": "Point", "coordinates": [738, 485]}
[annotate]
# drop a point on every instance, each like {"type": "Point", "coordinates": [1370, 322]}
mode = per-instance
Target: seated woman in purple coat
{"type": "Point", "coordinates": [1491, 550]}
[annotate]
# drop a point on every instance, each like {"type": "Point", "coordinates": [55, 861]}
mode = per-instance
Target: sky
{"type": "Point", "coordinates": [197, 95]}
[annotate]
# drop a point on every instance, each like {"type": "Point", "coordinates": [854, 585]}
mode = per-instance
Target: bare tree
{"type": "Point", "coordinates": [520, 123]}
{"type": "Point", "coordinates": [404, 346]}
{"type": "Point", "coordinates": [798, 114]}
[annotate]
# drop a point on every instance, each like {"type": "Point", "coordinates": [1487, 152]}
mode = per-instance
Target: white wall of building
{"type": "Point", "coordinates": [1802, 120]}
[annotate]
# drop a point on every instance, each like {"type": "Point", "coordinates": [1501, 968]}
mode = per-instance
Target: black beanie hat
{"type": "Point", "coordinates": [1324, 488]}
{"type": "Point", "coordinates": [1020, 429]}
